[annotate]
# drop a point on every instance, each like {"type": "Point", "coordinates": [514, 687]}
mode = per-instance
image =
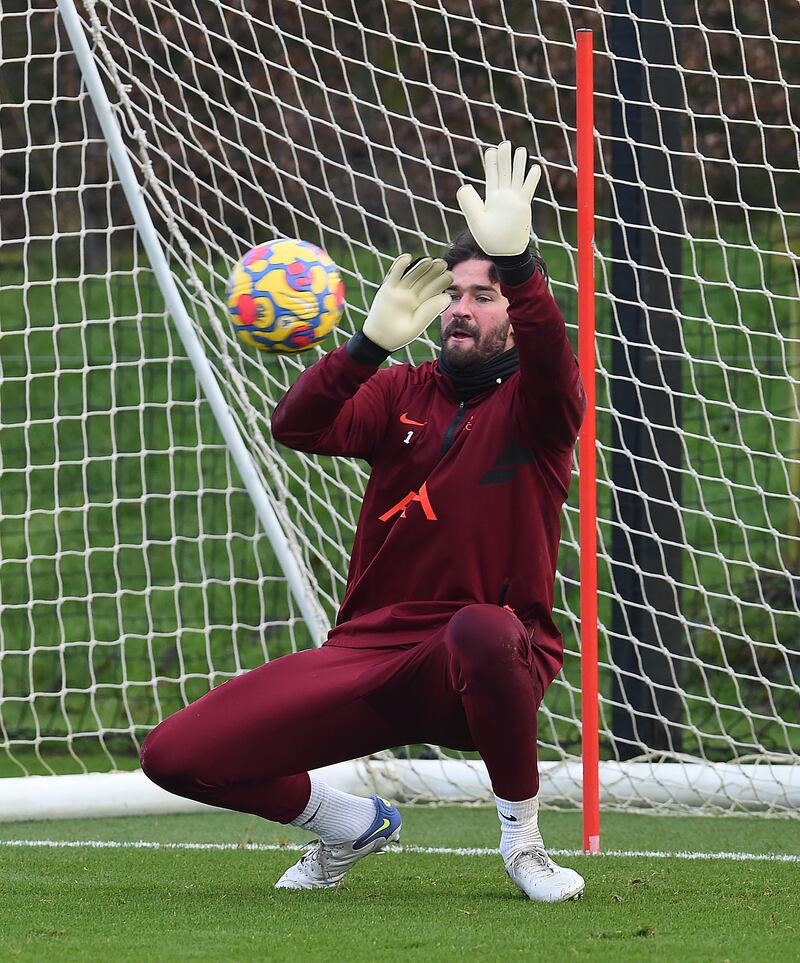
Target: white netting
{"type": "Point", "coordinates": [133, 573]}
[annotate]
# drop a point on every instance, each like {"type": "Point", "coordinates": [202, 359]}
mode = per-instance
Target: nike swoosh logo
{"type": "Point", "coordinates": [312, 814]}
{"type": "Point", "coordinates": [384, 825]}
{"type": "Point", "coordinates": [376, 832]}
{"type": "Point", "coordinates": [512, 819]}
{"type": "Point", "coordinates": [405, 420]}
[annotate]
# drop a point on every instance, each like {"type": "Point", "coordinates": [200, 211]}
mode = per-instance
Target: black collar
{"type": "Point", "coordinates": [474, 381]}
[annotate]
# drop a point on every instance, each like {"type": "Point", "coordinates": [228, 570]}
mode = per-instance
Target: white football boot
{"type": "Point", "coordinates": [323, 866]}
{"type": "Point", "coordinates": [542, 880]}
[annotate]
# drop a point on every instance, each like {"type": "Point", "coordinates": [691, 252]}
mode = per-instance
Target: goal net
{"type": "Point", "coordinates": [135, 571]}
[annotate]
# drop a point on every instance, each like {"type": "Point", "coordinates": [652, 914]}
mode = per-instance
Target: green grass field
{"type": "Point", "coordinates": [167, 901]}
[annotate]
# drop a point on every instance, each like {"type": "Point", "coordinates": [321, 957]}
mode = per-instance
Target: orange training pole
{"type": "Point", "coordinates": [588, 438]}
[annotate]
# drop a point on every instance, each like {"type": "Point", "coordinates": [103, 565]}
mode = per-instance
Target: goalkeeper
{"type": "Point", "coordinates": [445, 633]}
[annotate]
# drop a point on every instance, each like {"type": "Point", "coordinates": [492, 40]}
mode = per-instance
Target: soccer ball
{"type": "Point", "coordinates": [285, 296]}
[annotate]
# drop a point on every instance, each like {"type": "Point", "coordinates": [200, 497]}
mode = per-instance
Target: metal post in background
{"type": "Point", "coordinates": [646, 377]}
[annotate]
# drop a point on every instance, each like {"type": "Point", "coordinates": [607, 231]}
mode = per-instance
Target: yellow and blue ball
{"type": "Point", "coordinates": [285, 296]}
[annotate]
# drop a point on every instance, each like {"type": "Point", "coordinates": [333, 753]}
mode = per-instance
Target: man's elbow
{"type": "Point", "coordinates": [576, 413]}
{"type": "Point", "coordinates": [573, 413]}
{"type": "Point", "coordinates": [580, 410]}
{"type": "Point", "coordinates": [281, 426]}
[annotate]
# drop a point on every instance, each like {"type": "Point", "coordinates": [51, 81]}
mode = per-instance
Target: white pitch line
{"type": "Point", "coordinates": [425, 850]}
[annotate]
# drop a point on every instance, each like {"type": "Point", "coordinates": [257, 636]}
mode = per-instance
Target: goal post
{"type": "Point", "coordinates": [140, 566]}
{"type": "Point", "coordinates": [252, 479]}
{"type": "Point", "coordinates": [590, 685]}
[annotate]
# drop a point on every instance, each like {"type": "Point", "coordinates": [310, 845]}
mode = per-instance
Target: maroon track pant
{"type": "Point", "coordinates": [248, 744]}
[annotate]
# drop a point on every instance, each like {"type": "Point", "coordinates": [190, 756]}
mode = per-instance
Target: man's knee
{"type": "Point", "coordinates": [487, 636]}
{"type": "Point", "coordinates": [167, 759]}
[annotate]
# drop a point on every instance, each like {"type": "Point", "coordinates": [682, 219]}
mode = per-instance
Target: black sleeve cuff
{"type": "Point", "coordinates": [361, 349]}
{"type": "Point", "coordinates": [515, 269]}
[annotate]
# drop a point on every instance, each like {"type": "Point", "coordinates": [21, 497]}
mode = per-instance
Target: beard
{"type": "Point", "coordinates": [483, 347]}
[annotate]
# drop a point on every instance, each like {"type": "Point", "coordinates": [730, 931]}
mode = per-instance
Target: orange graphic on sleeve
{"type": "Point", "coordinates": [421, 496]}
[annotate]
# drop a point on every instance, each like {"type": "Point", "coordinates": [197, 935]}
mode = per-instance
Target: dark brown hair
{"type": "Point", "coordinates": [465, 248]}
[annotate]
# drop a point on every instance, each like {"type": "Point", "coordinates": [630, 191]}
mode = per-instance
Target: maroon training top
{"type": "Point", "coordinates": [464, 500]}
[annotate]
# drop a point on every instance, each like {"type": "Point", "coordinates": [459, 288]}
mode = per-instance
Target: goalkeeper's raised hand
{"type": "Point", "coordinates": [501, 224]}
{"type": "Point", "coordinates": [407, 301]}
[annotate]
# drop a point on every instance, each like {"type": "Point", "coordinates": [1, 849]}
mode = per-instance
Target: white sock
{"type": "Point", "coordinates": [519, 826]}
{"type": "Point", "coordinates": [336, 817]}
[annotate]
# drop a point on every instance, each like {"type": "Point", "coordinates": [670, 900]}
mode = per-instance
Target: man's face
{"type": "Point", "coordinates": [475, 327]}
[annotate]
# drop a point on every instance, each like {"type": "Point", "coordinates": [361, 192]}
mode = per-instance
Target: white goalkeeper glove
{"type": "Point", "coordinates": [502, 223]}
{"type": "Point", "coordinates": [407, 301]}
